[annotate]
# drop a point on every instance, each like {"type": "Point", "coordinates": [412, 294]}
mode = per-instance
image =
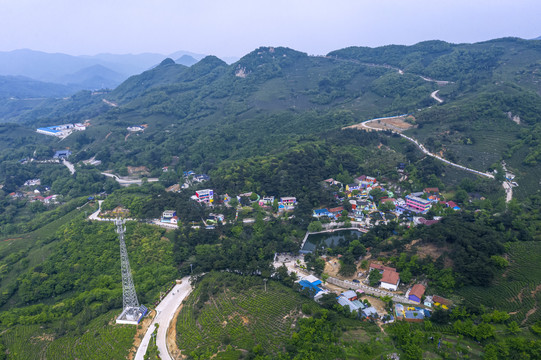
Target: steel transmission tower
{"type": "Point", "coordinates": [131, 311]}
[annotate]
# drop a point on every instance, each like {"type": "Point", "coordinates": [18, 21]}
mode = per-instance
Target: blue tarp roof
{"type": "Point", "coordinates": [419, 314]}
{"type": "Point", "coordinates": [49, 129]}
{"type": "Point", "coordinates": [321, 211]}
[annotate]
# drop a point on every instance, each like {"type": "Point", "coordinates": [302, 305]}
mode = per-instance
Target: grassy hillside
{"type": "Point", "coordinates": [273, 97]}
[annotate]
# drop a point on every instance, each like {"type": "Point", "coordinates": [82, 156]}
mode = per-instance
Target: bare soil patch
{"type": "Point", "coordinates": [172, 337]}
{"type": "Point", "coordinates": [140, 333]}
{"type": "Point", "coordinates": [395, 124]}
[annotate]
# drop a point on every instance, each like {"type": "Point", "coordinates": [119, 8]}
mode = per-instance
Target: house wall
{"type": "Point", "coordinates": [389, 286]}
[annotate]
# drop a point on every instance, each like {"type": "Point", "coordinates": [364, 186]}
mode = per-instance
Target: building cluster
{"type": "Point", "coordinates": [367, 212]}
{"type": "Point", "coordinates": [350, 299]}
{"type": "Point", "coordinates": [411, 313]}
{"type": "Point", "coordinates": [191, 178]}
{"type": "Point", "coordinates": [37, 192]}
{"type": "Point", "coordinates": [61, 130]}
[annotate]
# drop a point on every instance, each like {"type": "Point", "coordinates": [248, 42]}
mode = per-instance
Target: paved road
{"type": "Point", "coordinates": [508, 191]}
{"type": "Point", "coordinates": [94, 215]}
{"type": "Point", "coordinates": [434, 96]}
{"type": "Point", "coordinates": [425, 151]}
{"type": "Point", "coordinates": [69, 165]}
{"type": "Point", "coordinates": [165, 312]}
{"type": "Point", "coordinates": [124, 181]}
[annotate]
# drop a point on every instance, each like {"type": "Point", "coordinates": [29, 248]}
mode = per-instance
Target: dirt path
{"type": "Point", "coordinates": [535, 307]}
{"type": "Point", "coordinates": [172, 337]}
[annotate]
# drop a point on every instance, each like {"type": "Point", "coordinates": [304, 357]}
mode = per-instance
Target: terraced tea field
{"type": "Point", "coordinates": [100, 340]}
{"type": "Point", "coordinates": [518, 289]}
{"type": "Point", "coordinates": [242, 319]}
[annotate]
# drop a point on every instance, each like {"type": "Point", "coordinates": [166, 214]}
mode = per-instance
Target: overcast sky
{"type": "Point", "coordinates": [236, 27]}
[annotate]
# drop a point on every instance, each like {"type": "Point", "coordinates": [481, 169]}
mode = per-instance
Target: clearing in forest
{"type": "Point", "coordinates": [398, 123]}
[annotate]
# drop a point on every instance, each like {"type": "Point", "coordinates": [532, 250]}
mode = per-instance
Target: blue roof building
{"type": "Point", "coordinates": [321, 212]}
{"type": "Point", "coordinates": [306, 284]}
{"type": "Point", "coordinates": [62, 154]}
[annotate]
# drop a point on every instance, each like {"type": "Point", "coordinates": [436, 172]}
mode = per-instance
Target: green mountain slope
{"type": "Point", "coordinates": [273, 97]}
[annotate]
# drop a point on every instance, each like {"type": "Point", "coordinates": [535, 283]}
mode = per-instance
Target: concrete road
{"type": "Point", "coordinates": [165, 311]}
{"type": "Point", "coordinates": [69, 165]}
{"type": "Point", "coordinates": [94, 215]}
{"type": "Point", "coordinates": [434, 96]}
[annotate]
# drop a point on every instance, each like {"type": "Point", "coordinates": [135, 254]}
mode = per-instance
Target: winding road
{"type": "Point", "coordinates": [434, 96]}
{"type": "Point", "coordinates": [165, 312]}
{"type": "Point", "coordinates": [124, 181]}
{"type": "Point", "coordinates": [69, 165]}
{"type": "Point", "coordinates": [426, 152]}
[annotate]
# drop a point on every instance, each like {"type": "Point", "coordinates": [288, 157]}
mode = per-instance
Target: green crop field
{"type": "Point", "coordinates": [242, 319]}
{"type": "Point", "coordinates": [101, 339]}
{"type": "Point", "coordinates": [517, 290]}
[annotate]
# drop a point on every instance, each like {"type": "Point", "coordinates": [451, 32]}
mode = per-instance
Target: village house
{"type": "Point", "coordinates": [416, 293]}
{"type": "Point", "coordinates": [336, 212]}
{"type": "Point", "coordinates": [204, 196]}
{"type": "Point", "coordinates": [32, 182]}
{"type": "Point", "coordinates": [410, 313]}
{"type": "Point", "coordinates": [350, 298]}
{"type": "Point", "coordinates": [266, 201]}
{"type": "Point", "coordinates": [169, 217]}
{"type": "Point", "coordinates": [431, 191]}
{"type": "Point", "coordinates": [321, 213]}
{"type": "Point", "coordinates": [331, 181]}
{"type": "Point", "coordinates": [416, 204]}
{"type": "Point", "coordinates": [287, 203]}
{"type": "Point", "coordinates": [201, 178]}
{"type": "Point", "coordinates": [313, 284]}
{"type": "Point", "coordinates": [453, 205]}
{"type": "Point", "coordinates": [62, 154]}
{"type": "Point", "coordinates": [390, 279]}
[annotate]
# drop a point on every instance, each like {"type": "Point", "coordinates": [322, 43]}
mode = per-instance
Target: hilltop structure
{"type": "Point", "coordinates": [131, 313]}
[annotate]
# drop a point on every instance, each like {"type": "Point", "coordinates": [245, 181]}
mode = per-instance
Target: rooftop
{"type": "Point", "coordinates": [418, 290]}
{"type": "Point", "coordinates": [390, 277]}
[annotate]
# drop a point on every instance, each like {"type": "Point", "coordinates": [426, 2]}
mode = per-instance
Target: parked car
{"type": "Point", "coordinates": [356, 281]}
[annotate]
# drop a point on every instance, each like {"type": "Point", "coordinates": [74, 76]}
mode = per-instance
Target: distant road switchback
{"type": "Point", "coordinates": [425, 151]}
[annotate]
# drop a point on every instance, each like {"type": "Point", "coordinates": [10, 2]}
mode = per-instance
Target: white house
{"type": "Point", "coordinates": [169, 216]}
{"type": "Point", "coordinates": [390, 280]}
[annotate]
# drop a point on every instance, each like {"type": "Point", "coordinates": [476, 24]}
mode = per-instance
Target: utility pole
{"type": "Point", "coordinates": [265, 281]}
{"type": "Point", "coordinates": [131, 311]}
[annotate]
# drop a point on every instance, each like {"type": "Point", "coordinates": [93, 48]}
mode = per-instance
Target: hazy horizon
{"type": "Point", "coordinates": [234, 28]}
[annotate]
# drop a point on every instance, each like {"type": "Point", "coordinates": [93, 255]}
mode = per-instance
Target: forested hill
{"type": "Point", "coordinates": [273, 98]}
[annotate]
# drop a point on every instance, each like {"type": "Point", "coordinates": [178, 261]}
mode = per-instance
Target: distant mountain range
{"type": "Point", "coordinates": [76, 72]}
